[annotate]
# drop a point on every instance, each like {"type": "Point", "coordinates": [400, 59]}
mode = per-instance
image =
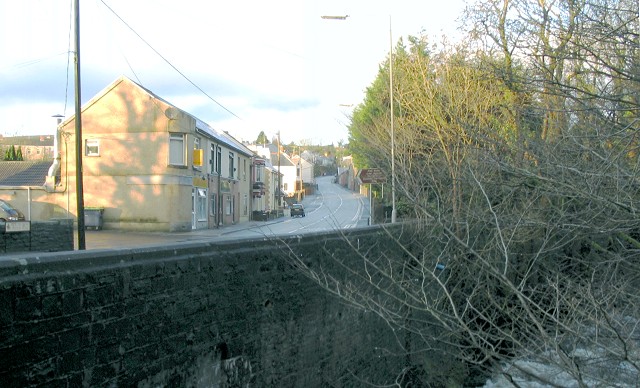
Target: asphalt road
{"type": "Point", "coordinates": [332, 207]}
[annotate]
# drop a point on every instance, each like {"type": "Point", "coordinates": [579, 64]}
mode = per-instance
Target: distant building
{"type": "Point", "coordinates": [305, 178]}
{"type": "Point", "coordinates": [318, 160]}
{"type": "Point", "coordinates": [33, 147]}
{"type": "Point", "coordinates": [265, 184]}
{"type": "Point", "coordinates": [347, 174]}
{"type": "Point", "coordinates": [282, 163]}
{"type": "Point", "coordinates": [298, 177]}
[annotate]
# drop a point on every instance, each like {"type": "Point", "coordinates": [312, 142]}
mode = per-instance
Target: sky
{"type": "Point", "coordinates": [242, 66]}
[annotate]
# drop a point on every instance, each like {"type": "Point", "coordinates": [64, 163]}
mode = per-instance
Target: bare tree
{"type": "Point", "coordinates": [520, 161]}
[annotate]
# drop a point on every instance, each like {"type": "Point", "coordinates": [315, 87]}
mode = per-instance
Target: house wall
{"type": "Point", "coordinates": [307, 172]}
{"type": "Point", "coordinates": [229, 204]}
{"type": "Point", "coordinates": [268, 201]}
{"type": "Point", "coordinates": [229, 186]}
{"type": "Point", "coordinates": [288, 178]}
{"type": "Point", "coordinates": [244, 189]}
{"type": "Point", "coordinates": [130, 177]}
{"type": "Point", "coordinates": [37, 152]}
{"type": "Point", "coordinates": [271, 188]}
{"type": "Point", "coordinates": [259, 175]}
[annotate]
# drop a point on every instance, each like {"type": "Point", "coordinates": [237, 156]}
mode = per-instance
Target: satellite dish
{"type": "Point", "coordinates": [171, 113]}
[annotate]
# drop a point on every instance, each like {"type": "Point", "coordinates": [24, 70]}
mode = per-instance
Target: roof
{"type": "Point", "coordinates": [204, 128]}
{"type": "Point", "coordinates": [283, 159]}
{"type": "Point", "coordinates": [38, 140]}
{"type": "Point", "coordinates": [24, 173]}
{"type": "Point", "coordinates": [223, 137]}
{"type": "Point", "coordinates": [109, 88]}
{"type": "Point", "coordinates": [270, 152]}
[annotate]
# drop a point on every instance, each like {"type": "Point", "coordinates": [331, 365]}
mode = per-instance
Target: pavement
{"type": "Point", "coordinates": [107, 239]}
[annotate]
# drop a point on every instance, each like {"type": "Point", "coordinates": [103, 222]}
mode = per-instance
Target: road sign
{"type": "Point", "coordinates": [17, 226]}
{"type": "Point", "coordinates": [372, 175]}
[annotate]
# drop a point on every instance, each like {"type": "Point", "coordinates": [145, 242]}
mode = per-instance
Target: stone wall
{"type": "Point", "coordinates": [45, 236]}
{"type": "Point", "coordinates": [203, 314]}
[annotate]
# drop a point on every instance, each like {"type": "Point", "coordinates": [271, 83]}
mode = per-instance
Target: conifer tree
{"type": "Point", "coordinates": [262, 138]}
{"type": "Point", "coordinates": [11, 153]}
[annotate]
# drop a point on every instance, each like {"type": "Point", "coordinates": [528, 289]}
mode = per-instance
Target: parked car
{"type": "Point", "coordinates": [9, 213]}
{"type": "Point", "coordinates": [297, 210]}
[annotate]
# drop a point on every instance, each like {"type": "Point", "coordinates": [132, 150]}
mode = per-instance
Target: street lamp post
{"type": "Point", "coordinates": [392, 134]}
{"type": "Point", "coordinates": [279, 190]}
{"type": "Point", "coordinates": [393, 146]}
{"type": "Point", "coordinates": [335, 17]}
{"type": "Point", "coordinates": [299, 178]}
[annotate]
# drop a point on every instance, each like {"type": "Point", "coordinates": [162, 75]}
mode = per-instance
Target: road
{"type": "Point", "coordinates": [332, 207]}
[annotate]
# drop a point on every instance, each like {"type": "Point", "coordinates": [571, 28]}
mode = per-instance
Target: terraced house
{"type": "Point", "coordinates": [147, 165]}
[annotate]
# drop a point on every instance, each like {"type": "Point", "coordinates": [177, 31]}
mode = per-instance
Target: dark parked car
{"type": "Point", "coordinates": [297, 210]}
{"type": "Point", "coordinates": [9, 213]}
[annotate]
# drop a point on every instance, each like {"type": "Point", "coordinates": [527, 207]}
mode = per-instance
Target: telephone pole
{"type": "Point", "coordinates": [78, 128]}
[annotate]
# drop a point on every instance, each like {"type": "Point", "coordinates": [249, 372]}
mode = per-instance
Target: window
{"type": "Point", "coordinates": [259, 173]}
{"type": "Point", "coordinates": [245, 205]}
{"type": "Point", "coordinates": [229, 207]}
{"type": "Point", "coordinates": [212, 159]}
{"type": "Point", "coordinates": [92, 147]}
{"type": "Point", "coordinates": [176, 149]}
{"type": "Point", "coordinates": [232, 168]}
{"type": "Point", "coordinates": [201, 205]}
{"type": "Point", "coordinates": [219, 160]}
{"type": "Point", "coordinates": [244, 170]}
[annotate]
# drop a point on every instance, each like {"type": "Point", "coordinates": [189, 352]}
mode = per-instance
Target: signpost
{"type": "Point", "coordinates": [17, 226]}
{"type": "Point", "coordinates": [371, 176]}
{"type": "Point", "coordinates": [14, 227]}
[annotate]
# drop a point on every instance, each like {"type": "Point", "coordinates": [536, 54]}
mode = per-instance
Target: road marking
{"type": "Point", "coordinates": [359, 211]}
{"type": "Point", "coordinates": [321, 202]}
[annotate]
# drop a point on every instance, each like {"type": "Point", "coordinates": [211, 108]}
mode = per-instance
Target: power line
{"type": "Point", "coordinates": [168, 62]}
{"type": "Point", "coordinates": [35, 61]}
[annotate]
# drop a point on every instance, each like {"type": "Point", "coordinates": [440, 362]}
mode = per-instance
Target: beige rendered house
{"type": "Point", "coordinates": [151, 166]}
{"type": "Point", "coordinates": [290, 180]}
{"type": "Point", "coordinates": [265, 188]}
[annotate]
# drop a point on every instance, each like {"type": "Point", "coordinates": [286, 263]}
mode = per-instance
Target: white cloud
{"type": "Point", "coordinates": [277, 65]}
